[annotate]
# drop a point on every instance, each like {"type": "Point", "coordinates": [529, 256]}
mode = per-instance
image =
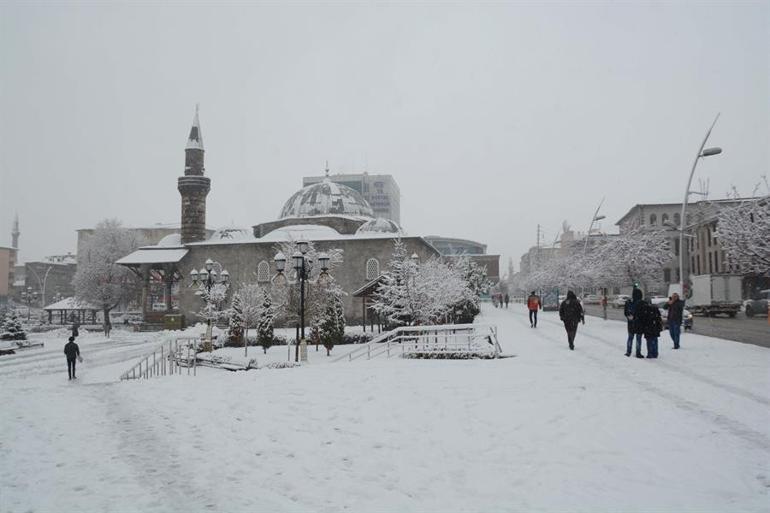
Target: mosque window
{"type": "Point", "coordinates": [372, 269]}
{"type": "Point", "coordinates": [677, 219]}
{"type": "Point", "coordinates": [653, 219]}
{"type": "Point", "coordinates": [664, 218]}
{"type": "Point", "coordinates": [263, 271]}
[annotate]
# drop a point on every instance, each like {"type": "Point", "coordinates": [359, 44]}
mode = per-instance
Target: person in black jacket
{"type": "Point", "coordinates": [632, 324]}
{"type": "Point", "coordinates": [651, 325]}
{"type": "Point", "coordinates": [571, 313]}
{"type": "Point", "coordinates": [72, 352]}
{"type": "Point", "coordinates": [675, 307]}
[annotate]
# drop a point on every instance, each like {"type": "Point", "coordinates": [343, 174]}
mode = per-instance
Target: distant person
{"type": "Point", "coordinates": [75, 329]}
{"type": "Point", "coordinates": [571, 313]}
{"type": "Point", "coordinates": [72, 352]}
{"type": "Point", "coordinates": [651, 325]}
{"type": "Point", "coordinates": [507, 299]}
{"type": "Point", "coordinates": [632, 323]}
{"type": "Point", "coordinates": [675, 307]}
{"type": "Point", "coordinates": [533, 305]}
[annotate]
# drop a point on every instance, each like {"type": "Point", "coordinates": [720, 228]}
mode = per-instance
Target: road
{"type": "Point", "coordinates": [749, 330]}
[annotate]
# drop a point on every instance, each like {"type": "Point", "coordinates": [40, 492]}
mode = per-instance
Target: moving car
{"type": "Point", "coordinates": [757, 306]}
{"type": "Point", "coordinates": [686, 315]}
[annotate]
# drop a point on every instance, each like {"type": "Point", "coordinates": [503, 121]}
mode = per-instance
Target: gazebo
{"type": "Point", "coordinates": [69, 307]}
{"type": "Point", "coordinates": [365, 293]}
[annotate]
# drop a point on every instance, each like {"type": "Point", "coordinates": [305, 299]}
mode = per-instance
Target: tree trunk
{"type": "Point", "coordinates": [107, 326]}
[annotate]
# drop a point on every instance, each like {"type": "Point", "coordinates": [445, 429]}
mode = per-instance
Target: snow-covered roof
{"type": "Point", "coordinates": [379, 225]}
{"type": "Point", "coordinates": [326, 198]}
{"type": "Point", "coordinates": [309, 232]}
{"type": "Point", "coordinates": [232, 234]}
{"type": "Point", "coordinates": [195, 141]}
{"type": "Point", "coordinates": [71, 303]}
{"type": "Point", "coordinates": [153, 255]}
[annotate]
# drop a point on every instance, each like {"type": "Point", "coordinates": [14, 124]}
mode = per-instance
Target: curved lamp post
{"type": "Point", "coordinates": [28, 296]}
{"type": "Point", "coordinates": [708, 152]}
{"type": "Point", "coordinates": [303, 265]}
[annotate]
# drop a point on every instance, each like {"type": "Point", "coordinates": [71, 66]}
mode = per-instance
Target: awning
{"type": "Point", "coordinates": [153, 256]}
{"type": "Point", "coordinates": [370, 287]}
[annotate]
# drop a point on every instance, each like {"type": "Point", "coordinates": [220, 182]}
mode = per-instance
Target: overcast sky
{"type": "Point", "coordinates": [491, 117]}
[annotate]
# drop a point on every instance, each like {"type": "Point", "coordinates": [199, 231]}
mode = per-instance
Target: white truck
{"type": "Point", "coordinates": [714, 294]}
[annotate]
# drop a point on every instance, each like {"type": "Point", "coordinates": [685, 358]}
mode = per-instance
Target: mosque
{"type": "Point", "coordinates": [328, 214]}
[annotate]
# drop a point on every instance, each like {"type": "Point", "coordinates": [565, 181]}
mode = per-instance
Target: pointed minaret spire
{"type": "Point", "coordinates": [15, 233]}
{"type": "Point", "coordinates": [195, 141]}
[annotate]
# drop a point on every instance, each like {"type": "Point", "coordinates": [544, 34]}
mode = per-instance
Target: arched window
{"type": "Point", "coordinates": [677, 219]}
{"type": "Point", "coordinates": [653, 220]}
{"type": "Point", "coordinates": [664, 219]}
{"type": "Point", "coordinates": [372, 269]}
{"type": "Point", "coordinates": [263, 271]}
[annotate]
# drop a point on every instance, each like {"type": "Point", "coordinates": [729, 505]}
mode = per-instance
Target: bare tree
{"type": "Point", "coordinates": [99, 280]}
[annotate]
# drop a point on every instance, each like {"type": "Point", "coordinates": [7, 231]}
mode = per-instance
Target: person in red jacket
{"type": "Point", "coordinates": [533, 304]}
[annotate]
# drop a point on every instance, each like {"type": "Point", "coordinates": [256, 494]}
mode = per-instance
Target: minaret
{"type": "Point", "coordinates": [15, 233]}
{"type": "Point", "coordinates": [194, 187]}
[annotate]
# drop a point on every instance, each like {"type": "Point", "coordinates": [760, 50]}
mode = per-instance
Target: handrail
{"type": "Point", "coordinates": [166, 360]}
{"type": "Point", "coordinates": [443, 333]}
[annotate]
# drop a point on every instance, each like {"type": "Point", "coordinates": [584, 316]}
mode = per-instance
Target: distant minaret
{"type": "Point", "coordinates": [15, 233]}
{"type": "Point", "coordinates": [194, 187]}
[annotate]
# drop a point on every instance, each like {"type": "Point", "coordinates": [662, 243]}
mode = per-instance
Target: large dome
{"type": "Point", "coordinates": [326, 198]}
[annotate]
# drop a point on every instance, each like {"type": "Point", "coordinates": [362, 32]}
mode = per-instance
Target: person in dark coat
{"type": "Point", "coordinates": [648, 316]}
{"type": "Point", "coordinates": [675, 307]}
{"type": "Point", "coordinates": [571, 313]}
{"type": "Point", "coordinates": [632, 324]}
{"type": "Point", "coordinates": [75, 326]}
{"type": "Point", "coordinates": [72, 352]}
{"type": "Point", "coordinates": [507, 299]}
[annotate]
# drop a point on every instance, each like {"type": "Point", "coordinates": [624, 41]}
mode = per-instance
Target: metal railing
{"type": "Point", "coordinates": [446, 338]}
{"type": "Point", "coordinates": [170, 358]}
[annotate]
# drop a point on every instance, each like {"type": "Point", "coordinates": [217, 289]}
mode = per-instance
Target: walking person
{"type": "Point", "coordinates": [75, 332]}
{"type": "Point", "coordinates": [571, 313]}
{"type": "Point", "coordinates": [533, 305]}
{"type": "Point", "coordinates": [652, 324]}
{"type": "Point", "coordinates": [675, 307]}
{"type": "Point", "coordinates": [507, 299]}
{"type": "Point", "coordinates": [632, 323]}
{"type": "Point", "coordinates": [72, 352]}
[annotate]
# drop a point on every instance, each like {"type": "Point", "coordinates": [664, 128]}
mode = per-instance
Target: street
{"type": "Point", "coordinates": [753, 330]}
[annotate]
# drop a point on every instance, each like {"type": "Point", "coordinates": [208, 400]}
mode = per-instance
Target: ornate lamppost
{"type": "Point", "coordinates": [206, 280]}
{"type": "Point", "coordinates": [303, 265]}
{"type": "Point", "coordinates": [28, 296]}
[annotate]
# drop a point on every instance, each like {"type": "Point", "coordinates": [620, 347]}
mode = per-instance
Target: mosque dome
{"type": "Point", "coordinates": [326, 198]}
{"type": "Point", "coordinates": [379, 225]}
{"type": "Point", "coordinates": [231, 234]}
{"type": "Point", "coordinates": [172, 240]}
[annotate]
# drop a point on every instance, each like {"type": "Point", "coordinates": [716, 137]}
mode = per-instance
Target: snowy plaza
{"type": "Point", "coordinates": [547, 429]}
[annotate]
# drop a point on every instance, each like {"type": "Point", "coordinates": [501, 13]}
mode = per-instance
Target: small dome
{"type": "Point", "coordinates": [379, 225]}
{"type": "Point", "coordinates": [301, 232]}
{"type": "Point", "coordinates": [326, 198]}
{"type": "Point", "coordinates": [172, 240]}
{"type": "Point", "coordinates": [231, 234]}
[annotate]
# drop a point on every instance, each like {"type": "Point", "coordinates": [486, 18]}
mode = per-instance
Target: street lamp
{"type": "Point", "coordinates": [207, 278]}
{"type": "Point", "coordinates": [303, 265]}
{"type": "Point", "coordinates": [708, 152]}
{"type": "Point", "coordinates": [28, 296]}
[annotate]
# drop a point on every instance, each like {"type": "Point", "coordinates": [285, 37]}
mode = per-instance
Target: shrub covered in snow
{"type": "Point", "coordinates": [11, 328]}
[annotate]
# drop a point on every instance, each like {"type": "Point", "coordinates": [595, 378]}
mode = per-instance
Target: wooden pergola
{"type": "Point", "coordinates": [69, 310]}
{"type": "Point", "coordinates": [365, 293]}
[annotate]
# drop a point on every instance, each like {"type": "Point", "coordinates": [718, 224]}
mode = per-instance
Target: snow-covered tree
{"type": "Point", "coordinates": [11, 328]}
{"type": "Point", "coordinates": [743, 231]}
{"type": "Point", "coordinates": [394, 299]}
{"type": "Point", "coordinates": [99, 280]}
{"type": "Point", "coordinates": [265, 325]}
{"type": "Point", "coordinates": [252, 297]}
{"type": "Point", "coordinates": [236, 325]}
{"type": "Point", "coordinates": [636, 256]}
{"type": "Point", "coordinates": [331, 328]}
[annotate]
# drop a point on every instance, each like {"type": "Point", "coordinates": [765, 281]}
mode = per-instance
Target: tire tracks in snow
{"type": "Point", "coordinates": [733, 426]}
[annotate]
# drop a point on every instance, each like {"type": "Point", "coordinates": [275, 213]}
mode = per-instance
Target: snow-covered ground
{"type": "Point", "coordinates": [548, 430]}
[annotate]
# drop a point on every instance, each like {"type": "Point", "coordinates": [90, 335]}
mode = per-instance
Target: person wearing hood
{"type": "Point", "coordinates": [634, 327]}
{"type": "Point", "coordinates": [649, 318]}
{"type": "Point", "coordinates": [571, 313]}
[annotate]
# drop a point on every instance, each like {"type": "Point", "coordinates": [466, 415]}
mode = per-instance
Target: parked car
{"type": "Point", "coordinates": [757, 306]}
{"type": "Point", "coordinates": [686, 315]}
{"type": "Point", "coordinates": [592, 299]}
{"type": "Point", "coordinates": [619, 301]}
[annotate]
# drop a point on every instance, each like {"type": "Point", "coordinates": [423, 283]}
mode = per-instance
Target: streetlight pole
{"type": "Point", "coordinates": [596, 217]}
{"type": "Point", "coordinates": [212, 274]}
{"type": "Point", "coordinates": [701, 153]}
{"type": "Point", "coordinates": [28, 297]}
